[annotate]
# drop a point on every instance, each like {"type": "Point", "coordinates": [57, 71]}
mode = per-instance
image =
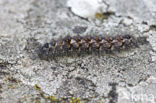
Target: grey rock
{"type": "Point", "coordinates": [27, 24]}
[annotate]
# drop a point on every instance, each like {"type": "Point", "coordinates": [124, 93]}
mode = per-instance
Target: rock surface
{"type": "Point", "coordinates": [126, 77]}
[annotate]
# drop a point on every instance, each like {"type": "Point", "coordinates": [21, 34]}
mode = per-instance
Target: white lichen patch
{"type": "Point", "coordinates": [127, 21]}
{"type": "Point", "coordinates": [86, 8]}
{"type": "Point", "coordinates": [152, 40]}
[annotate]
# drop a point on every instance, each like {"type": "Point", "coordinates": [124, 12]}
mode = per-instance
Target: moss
{"type": "Point", "coordinates": [52, 99]}
{"type": "Point", "coordinates": [48, 99]}
{"type": "Point", "coordinates": [37, 87]}
{"type": "Point", "coordinates": [100, 16]}
{"type": "Point", "coordinates": [11, 79]}
{"type": "Point", "coordinates": [12, 82]}
{"type": "Point", "coordinates": [37, 101]}
{"type": "Point", "coordinates": [10, 86]}
{"type": "Point", "coordinates": [76, 100]}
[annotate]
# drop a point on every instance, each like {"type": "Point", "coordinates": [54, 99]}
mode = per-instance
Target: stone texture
{"type": "Point", "coordinates": [121, 77]}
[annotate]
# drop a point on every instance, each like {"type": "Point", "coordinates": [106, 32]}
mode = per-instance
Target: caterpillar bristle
{"type": "Point", "coordinates": [79, 45]}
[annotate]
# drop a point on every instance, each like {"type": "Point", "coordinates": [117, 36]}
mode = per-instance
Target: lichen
{"type": "Point", "coordinates": [100, 16]}
{"type": "Point", "coordinates": [52, 99]}
{"type": "Point", "coordinates": [76, 100]}
{"type": "Point", "coordinates": [37, 87]}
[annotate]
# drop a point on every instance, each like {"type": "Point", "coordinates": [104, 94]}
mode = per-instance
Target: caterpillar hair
{"type": "Point", "coordinates": [79, 45]}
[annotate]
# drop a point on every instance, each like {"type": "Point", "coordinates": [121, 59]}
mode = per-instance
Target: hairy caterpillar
{"type": "Point", "coordinates": [79, 45]}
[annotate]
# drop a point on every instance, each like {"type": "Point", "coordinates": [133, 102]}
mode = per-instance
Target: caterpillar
{"type": "Point", "coordinates": [79, 45]}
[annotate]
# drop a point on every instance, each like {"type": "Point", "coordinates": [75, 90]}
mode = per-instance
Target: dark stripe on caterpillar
{"type": "Point", "coordinates": [79, 45]}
